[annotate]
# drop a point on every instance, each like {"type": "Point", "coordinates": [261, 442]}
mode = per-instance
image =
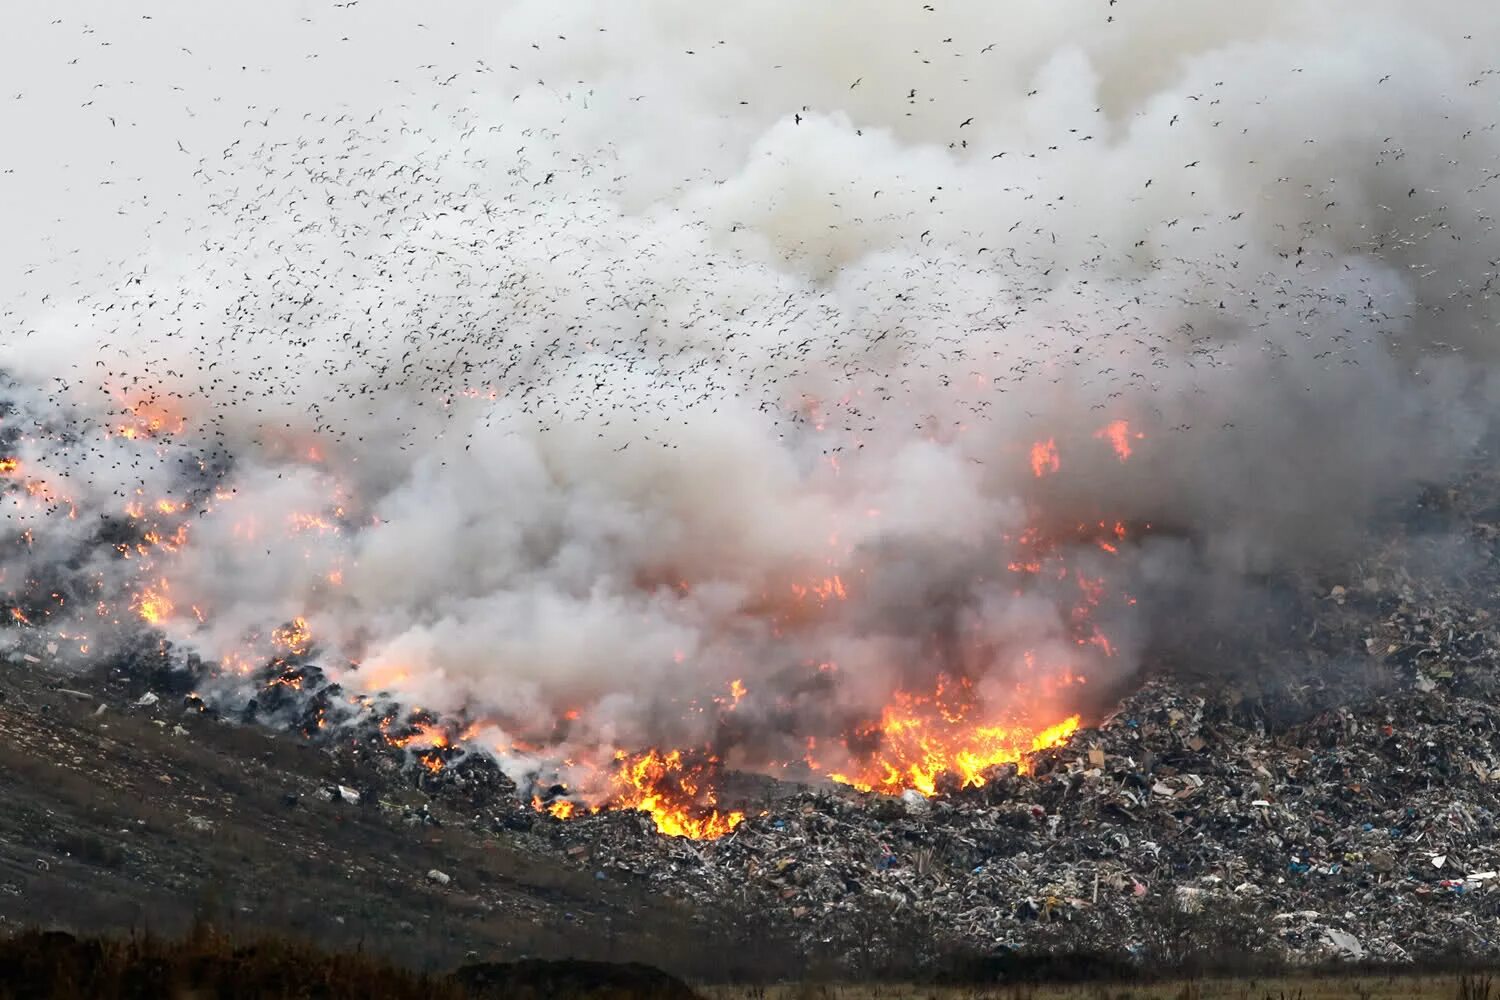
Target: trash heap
{"type": "Point", "coordinates": [1340, 805]}
{"type": "Point", "coordinates": [1331, 794]}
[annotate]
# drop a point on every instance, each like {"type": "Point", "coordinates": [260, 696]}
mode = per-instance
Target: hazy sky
{"type": "Point", "coordinates": [97, 95]}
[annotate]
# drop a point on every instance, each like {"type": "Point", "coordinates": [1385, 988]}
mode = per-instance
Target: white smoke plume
{"type": "Point", "coordinates": [666, 345]}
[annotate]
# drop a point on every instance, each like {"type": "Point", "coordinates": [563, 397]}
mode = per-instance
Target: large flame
{"type": "Point", "coordinates": [921, 739]}
{"type": "Point", "coordinates": [678, 796]}
{"type": "Point", "coordinates": [918, 740]}
{"type": "Point", "coordinates": [676, 789]}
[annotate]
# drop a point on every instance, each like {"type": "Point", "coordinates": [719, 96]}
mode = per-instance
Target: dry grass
{"type": "Point", "coordinates": [38, 965]}
{"type": "Point", "coordinates": [1381, 987]}
{"type": "Point", "coordinates": [60, 967]}
{"type": "Point", "coordinates": [53, 966]}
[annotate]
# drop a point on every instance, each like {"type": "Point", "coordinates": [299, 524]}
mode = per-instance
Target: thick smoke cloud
{"type": "Point", "coordinates": [543, 389]}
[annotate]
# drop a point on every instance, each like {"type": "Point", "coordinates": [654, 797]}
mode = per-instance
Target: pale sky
{"type": "Point", "coordinates": [95, 97]}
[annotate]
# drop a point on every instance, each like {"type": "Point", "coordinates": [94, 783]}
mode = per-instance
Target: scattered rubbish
{"type": "Point", "coordinates": [1342, 813]}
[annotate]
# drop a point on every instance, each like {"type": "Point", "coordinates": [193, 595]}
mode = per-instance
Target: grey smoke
{"type": "Point", "coordinates": [755, 309]}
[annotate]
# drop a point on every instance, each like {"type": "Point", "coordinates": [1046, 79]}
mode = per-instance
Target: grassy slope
{"type": "Point", "coordinates": [114, 824]}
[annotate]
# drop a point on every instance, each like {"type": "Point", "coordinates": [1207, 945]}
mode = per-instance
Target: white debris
{"type": "Point", "coordinates": [147, 700]}
{"type": "Point", "coordinates": [914, 799]}
{"type": "Point", "coordinates": [1344, 944]}
{"type": "Point", "coordinates": [349, 795]}
{"type": "Point", "coordinates": [441, 878]}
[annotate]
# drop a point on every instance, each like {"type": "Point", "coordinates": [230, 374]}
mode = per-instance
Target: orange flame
{"type": "Point", "coordinates": [422, 736]}
{"type": "Point", "coordinates": [823, 590]}
{"type": "Point", "coordinates": [678, 795]}
{"type": "Point", "coordinates": [149, 419]}
{"type": "Point", "coordinates": [558, 808]}
{"type": "Point", "coordinates": [153, 604]}
{"type": "Point", "coordinates": [1119, 436]}
{"type": "Point", "coordinates": [921, 738]}
{"type": "Point", "coordinates": [295, 638]}
{"type": "Point", "coordinates": [1044, 459]}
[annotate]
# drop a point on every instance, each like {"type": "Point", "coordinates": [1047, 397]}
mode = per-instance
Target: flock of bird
{"type": "Point", "coordinates": [385, 277]}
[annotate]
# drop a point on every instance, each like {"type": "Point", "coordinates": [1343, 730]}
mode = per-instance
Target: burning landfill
{"type": "Point", "coordinates": [919, 495]}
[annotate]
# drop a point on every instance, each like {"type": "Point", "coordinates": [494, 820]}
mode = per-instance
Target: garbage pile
{"type": "Point", "coordinates": [1361, 834]}
{"type": "Point", "coordinates": [1338, 799]}
{"type": "Point", "coordinates": [1340, 805]}
{"type": "Point", "coordinates": [1359, 824]}
{"type": "Point", "coordinates": [1344, 808]}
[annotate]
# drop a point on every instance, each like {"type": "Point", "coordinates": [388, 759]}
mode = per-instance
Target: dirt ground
{"type": "Point", "coordinates": [117, 821]}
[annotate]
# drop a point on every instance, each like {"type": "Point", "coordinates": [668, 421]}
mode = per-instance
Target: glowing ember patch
{"type": "Point", "coordinates": [302, 523]}
{"type": "Point", "coordinates": [382, 677]}
{"type": "Point", "coordinates": [152, 604]}
{"type": "Point", "coordinates": [235, 662]}
{"type": "Point", "coordinates": [557, 809]}
{"type": "Point", "coordinates": [9, 465]}
{"type": "Point", "coordinates": [1044, 458]}
{"type": "Point", "coordinates": [149, 420]}
{"type": "Point", "coordinates": [421, 737]}
{"type": "Point", "coordinates": [831, 588]}
{"type": "Point", "coordinates": [295, 638]}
